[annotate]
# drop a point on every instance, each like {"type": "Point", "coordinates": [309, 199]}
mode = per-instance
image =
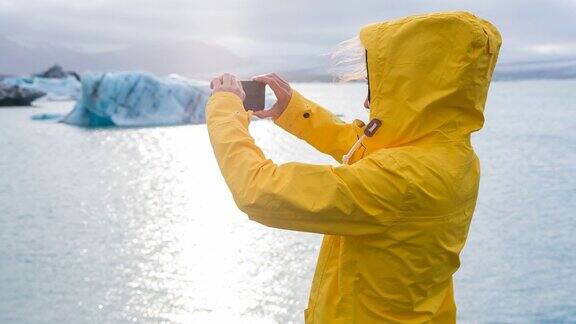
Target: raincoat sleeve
{"type": "Point", "coordinates": [296, 196]}
{"type": "Point", "coordinates": [320, 128]}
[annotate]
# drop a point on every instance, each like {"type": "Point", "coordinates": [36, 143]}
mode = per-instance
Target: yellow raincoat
{"type": "Point", "coordinates": [397, 217]}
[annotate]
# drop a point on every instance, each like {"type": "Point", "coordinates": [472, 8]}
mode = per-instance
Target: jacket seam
{"type": "Point", "coordinates": [408, 194]}
{"type": "Point", "coordinates": [401, 218]}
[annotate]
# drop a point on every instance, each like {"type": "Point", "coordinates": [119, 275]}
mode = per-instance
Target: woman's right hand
{"type": "Point", "coordinates": [282, 91]}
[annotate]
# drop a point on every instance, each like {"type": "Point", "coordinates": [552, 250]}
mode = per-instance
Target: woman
{"type": "Point", "coordinates": [396, 216]}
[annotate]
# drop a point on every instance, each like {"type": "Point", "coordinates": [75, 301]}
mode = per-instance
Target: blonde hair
{"type": "Point", "coordinates": [348, 61]}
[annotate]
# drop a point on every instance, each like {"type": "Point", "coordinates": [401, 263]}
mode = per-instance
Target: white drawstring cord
{"type": "Point", "coordinates": [369, 131]}
{"type": "Point", "coordinates": [353, 149]}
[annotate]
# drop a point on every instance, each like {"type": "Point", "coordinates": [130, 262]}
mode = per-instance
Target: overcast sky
{"type": "Point", "coordinates": [531, 29]}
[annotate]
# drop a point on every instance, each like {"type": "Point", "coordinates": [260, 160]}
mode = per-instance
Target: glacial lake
{"type": "Point", "coordinates": [137, 225]}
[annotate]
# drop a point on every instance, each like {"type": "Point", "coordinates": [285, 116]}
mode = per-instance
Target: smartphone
{"type": "Point", "coordinates": [254, 95]}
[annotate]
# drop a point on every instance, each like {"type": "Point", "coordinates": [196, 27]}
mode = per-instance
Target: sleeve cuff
{"type": "Point", "coordinates": [223, 104]}
{"type": "Point", "coordinates": [226, 107]}
{"type": "Point", "coordinates": [292, 117]}
{"type": "Point", "coordinates": [236, 103]}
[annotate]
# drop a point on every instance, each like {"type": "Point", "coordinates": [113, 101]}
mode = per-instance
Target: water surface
{"type": "Point", "coordinates": [137, 225]}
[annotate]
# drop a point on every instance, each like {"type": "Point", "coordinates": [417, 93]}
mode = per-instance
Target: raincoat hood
{"type": "Point", "coordinates": [429, 76]}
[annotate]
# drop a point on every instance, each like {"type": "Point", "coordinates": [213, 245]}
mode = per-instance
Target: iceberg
{"type": "Point", "coordinates": [11, 95]}
{"type": "Point", "coordinates": [138, 99]}
{"type": "Point", "coordinates": [56, 89]}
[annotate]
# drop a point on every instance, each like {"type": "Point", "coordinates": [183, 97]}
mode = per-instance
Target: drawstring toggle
{"type": "Point", "coordinates": [369, 131]}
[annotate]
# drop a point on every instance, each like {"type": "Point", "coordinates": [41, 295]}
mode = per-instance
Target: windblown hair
{"type": "Point", "coordinates": [348, 61]}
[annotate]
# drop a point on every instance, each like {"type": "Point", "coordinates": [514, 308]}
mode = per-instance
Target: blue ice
{"type": "Point", "coordinates": [138, 99]}
{"type": "Point", "coordinates": [56, 89]}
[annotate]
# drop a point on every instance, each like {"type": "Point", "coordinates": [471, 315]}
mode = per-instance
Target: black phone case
{"type": "Point", "coordinates": [254, 95]}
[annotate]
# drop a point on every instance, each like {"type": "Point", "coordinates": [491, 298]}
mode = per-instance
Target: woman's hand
{"type": "Point", "coordinates": [227, 83]}
{"type": "Point", "coordinates": [281, 89]}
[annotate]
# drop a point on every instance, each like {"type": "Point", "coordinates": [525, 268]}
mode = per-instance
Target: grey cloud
{"type": "Point", "coordinates": [310, 27]}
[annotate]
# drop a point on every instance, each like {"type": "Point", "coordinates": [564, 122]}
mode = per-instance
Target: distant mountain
{"type": "Point", "coordinates": [303, 68]}
{"type": "Point", "coordinates": [549, 69]}
{"type": "Point", "coordinates": [541, 69]}
{"type": "Point", "coordinates": [190, 58]}
{"type": "Point", "coordinates": [201, 60]}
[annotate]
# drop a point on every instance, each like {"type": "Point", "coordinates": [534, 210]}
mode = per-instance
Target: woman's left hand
{"type": "Point", "coordinates": [227, 83]}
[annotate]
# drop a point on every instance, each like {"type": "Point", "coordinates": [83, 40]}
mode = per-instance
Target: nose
{"type": "Point", "coordinates": [367, 103]}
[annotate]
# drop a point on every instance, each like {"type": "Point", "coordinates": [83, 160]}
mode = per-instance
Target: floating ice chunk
{"type": "Point", "coordinates": [48, 116]}
{"type": "Point", "coordinates": [13, 95]}
{"type": "Point", "coordinates": [138, 99]}
{"type": "Point", "coordinates": [66, 88]}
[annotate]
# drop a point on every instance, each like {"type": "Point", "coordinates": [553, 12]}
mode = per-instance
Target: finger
{"type": "Point", "coordinates": [270, 82]}
{"type": "Point", "coordinates": [241, 89]}
{"type": "Point", "coordinates": [216, 83]}
{"type": "Point", "coordinates": [278, 89]}
{"type": "Point", "coordinates": [226, 79]}
{"type": "Point", "coordinates": [272, 76]}
{"type": "Point", "coordinates": [261, 78]}
{"type": "Point", "coordinates": [239, 84]}
{"type": "Point", "coordinates": [280, 79]}
{"type": "Point", "coordinates": [263, 113]}
{"type": "Point", "coordinates": [256, 77]}
{"type": "Point", "coordinates": [232, 80]}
